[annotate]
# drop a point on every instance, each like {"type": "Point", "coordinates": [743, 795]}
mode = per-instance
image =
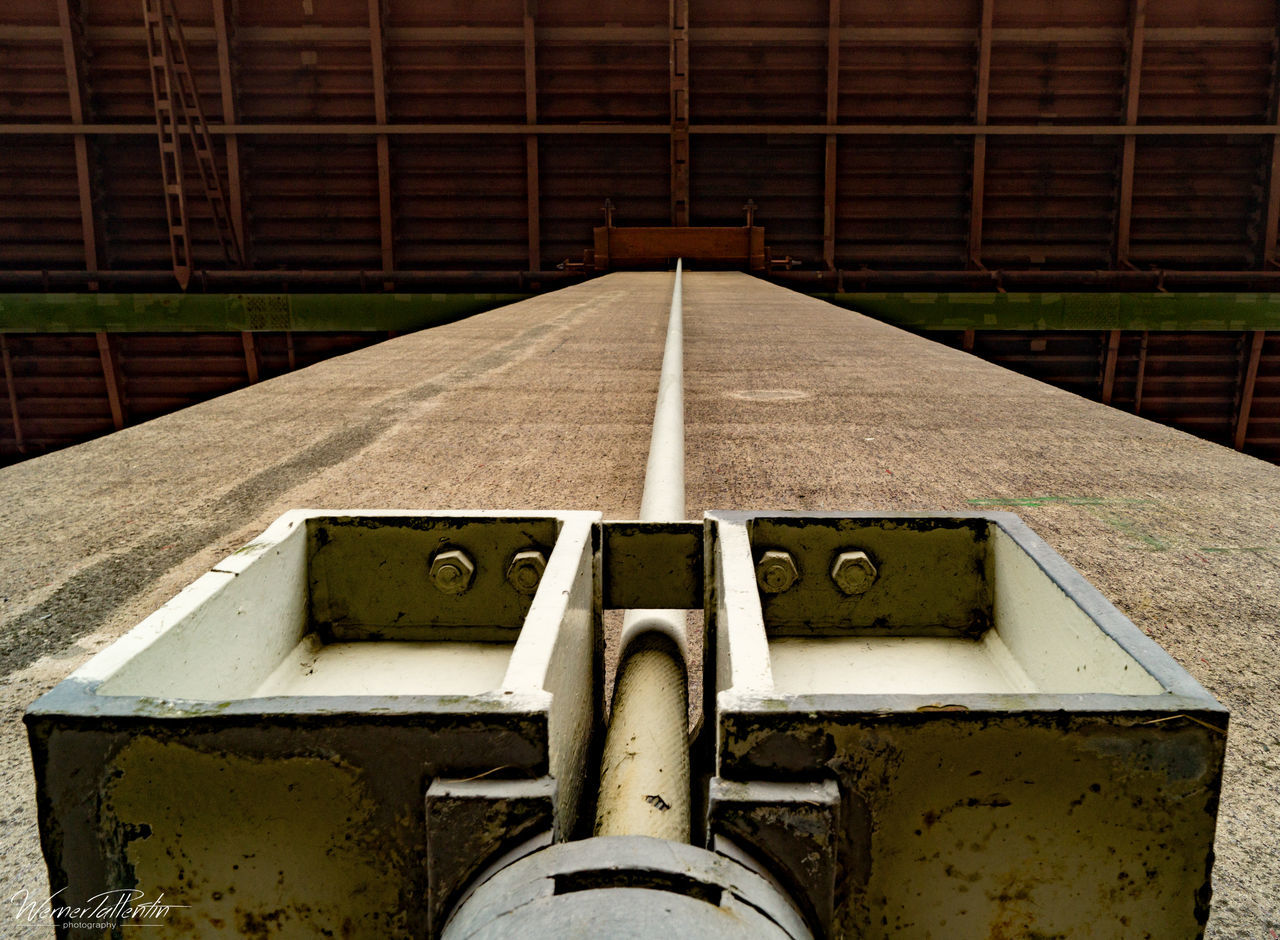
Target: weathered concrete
{"type": "Point", "coordinates": [791, 404]}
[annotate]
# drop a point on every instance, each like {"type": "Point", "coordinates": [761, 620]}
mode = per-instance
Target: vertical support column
{"type": "Point", "coordinates": [71, 62]}
{"type": "Point", "coordinates": [222, 31]}
{"type": "Point", "coordinates": [1142, 373]}
{"type": "Point", "coordinates": [377, 49]}
{"type": "Point", "coordinates": [1248, 381]}
{"type": "Point", "coordinates": [532, 185]}
{"type": "Point", "coordinates": [111, 375]}
{"type": "Point", "coordinates": [967, 339]}
{"type": "Point", "coordinates": [679, 112]}
{"type": "Point", "coordinates": [1132, 88]}
{"type": "Point", "coordinates": [11, 389]}
{"type": "Point", "coordinates": [1109, 366]}
{"type": "Point", "coordinates": [250, 356]}
{"type": "Point", "coordinates": [833, 117]}
{"type": "Point", "coordinates": [1272, 220]}
{"type": "Point", "coordinates": [983, 93]}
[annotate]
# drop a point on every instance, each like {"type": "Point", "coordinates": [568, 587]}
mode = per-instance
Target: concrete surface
{"type": "Point", "coordinates": [791, 404]}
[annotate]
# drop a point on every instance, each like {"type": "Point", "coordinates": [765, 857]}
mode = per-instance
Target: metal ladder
{"type": "Point", "coordinates": [177, 105]}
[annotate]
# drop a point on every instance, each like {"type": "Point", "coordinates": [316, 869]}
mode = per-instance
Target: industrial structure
{"type": "Point", "coordinates": [907, 713]}
{"type": "Point", "coordinates": [1013, 151]}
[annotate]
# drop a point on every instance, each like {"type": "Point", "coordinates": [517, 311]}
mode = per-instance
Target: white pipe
{"type": "Point", "coordinates": [644, 773]}
{"type": "Point", "coordinates": [663, 499]}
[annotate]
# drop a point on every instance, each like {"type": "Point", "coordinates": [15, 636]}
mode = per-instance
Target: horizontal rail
{"type": "Point", "coordinates": [773, 130]}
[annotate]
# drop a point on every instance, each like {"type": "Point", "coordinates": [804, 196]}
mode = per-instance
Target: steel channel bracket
{"type": "Point", "coordinates": [914, 722]}
{"type": "Point", "coordinates": [1012, 755]}
{"type": "Point", "coordinates": [263, 748]}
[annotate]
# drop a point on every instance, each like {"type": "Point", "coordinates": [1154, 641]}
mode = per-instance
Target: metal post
{"type": "Point", "coordinates": [644, 773]}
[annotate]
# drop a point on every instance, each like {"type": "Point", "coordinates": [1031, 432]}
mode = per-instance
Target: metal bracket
{"type": "Point", "coordinates": [794, 828]}
{"type": "Point", "coordinates": [649, 565]}
{"type": "Point", "coordinates": [469, 823]}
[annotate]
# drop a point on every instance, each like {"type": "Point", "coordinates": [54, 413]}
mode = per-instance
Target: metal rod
{"type": "Point", "coordinates": [363, 281]}
{"type": "Point", "coordinates": [644, 771]}
{"type": "Point", "coordinates": [663, 499]}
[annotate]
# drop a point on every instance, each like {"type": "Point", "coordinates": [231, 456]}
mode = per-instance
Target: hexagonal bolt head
{"type": "Point", "coordinates": [452, 571]}
{"type": "Point", "coordinates": [776, 572]}
{"type": "Point", "coordinates": [853, 572]}
{"type": "Point", "coordinates": [526, 571]}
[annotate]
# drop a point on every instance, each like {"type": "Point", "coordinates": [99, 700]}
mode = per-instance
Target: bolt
{"type": "Point", "coordinates": [776, 572]}
{"type": "Point", "coordinates": [853, 572]}
{"type": "Point", "coordinates": [452, 571]}
{"type": "Point", "coordinates": [526, 571]}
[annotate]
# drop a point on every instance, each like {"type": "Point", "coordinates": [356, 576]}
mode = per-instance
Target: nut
{"type": "Point", "coordinates": [776, 572]}
{"type": "Point", "coordinates": [853, 572]}
{"type": "Point", "coordinates": [526, 571]}
{"type": "Point", "coordinates": [452, 571]}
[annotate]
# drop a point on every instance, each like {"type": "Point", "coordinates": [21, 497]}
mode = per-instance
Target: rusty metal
{"type": "Point", "coordinates": [225, 41]}
{"type": "Point", "coordinates": [1248, 382]}
{"type": "Point", "coordinates": [532, 185]}
{"type": "Point", "coordinates": [1109, 365]}
{"type": "Point", "coordinates": [177, 108]}
{"type": "Point", "coordinates": [12, 392]}
{"type": "Point", "coordinates": [71, 29]}
{"type": "Point", "coordinates": [111, 377]}
{"type": "Point", "coordinates": [830, 167]}
{"type": "Point", "coordinates": [680, 169]}
{"type": "Point", "coordinates": [377, 52]}
{"type": "Point", "coordinates": [644, 247]}
{"type": "Point", "coordinates": [982, 95]}
{"type": "Point", "coordinates": [1132, 88]}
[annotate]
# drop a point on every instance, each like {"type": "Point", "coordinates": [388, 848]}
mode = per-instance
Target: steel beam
{"type": "Point", "coordinates": [11, 389]}
{"type": "Point", "coordinates": [1109, 365]}
{"type": "Point", "coordinates": [532, 184]}
{"type": "Point", "coordinates": [1177, 282]}
{"type": "Point", "coordinates": [1056, 309]}
{"type": "Point", "coordinates": [250, 356]}
{"type": "Point", "coordinates": [833, 117]}
{"type": "Point", "coordinates": [283, 281]}
{"type": "Point", "coordinates": [1142, 373]}
{"type": "Point", "coordinates": [1247, 383]}
{"type": "Point", "coordinates": [222, 32]}
{"type": "Point", "coordinates": [111, 376]}
{"type": "Point", "coordinates": [982, 94]}
{"type": "Point", "coordinates": [799, 35]}
{"type": "Point", "coordinates": [679, 112]}
{"type": "Point", "coordinates": [71, 65]}
{"type": "Point", "coordinates": [335, 129]}
{"type": "Point", "coordinates": [1132, 88]}
{"type": "Point", "coordinates": [193, 312]}
{"type": "Point", "coordinates": [1271, 221]}
{"type": "Point", "coordinates": [377, 50]}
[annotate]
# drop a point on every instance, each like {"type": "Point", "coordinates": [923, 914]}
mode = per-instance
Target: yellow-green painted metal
{"type": "Point", "coordinates": [1068, 311]}
{"type": "Point", "coordinates": [212, 313]}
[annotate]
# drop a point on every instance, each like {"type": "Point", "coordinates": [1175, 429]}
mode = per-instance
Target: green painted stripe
{"type": "Point", "coordinates": [1074, 311]}
{"type": "Point", "coordinates": [215, 313]}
